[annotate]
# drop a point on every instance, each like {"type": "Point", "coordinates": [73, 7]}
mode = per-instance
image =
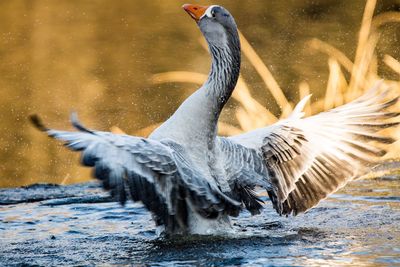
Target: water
{"type": "Point", "coordinates": [78, 225]}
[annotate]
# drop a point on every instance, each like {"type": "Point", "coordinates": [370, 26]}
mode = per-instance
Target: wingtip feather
{"type": "Point", "coordinates": [75, 122]}
{"type": "Point", "coordinates": [38, 123]}
{"type": "Point", "coordinates": [298, 110]}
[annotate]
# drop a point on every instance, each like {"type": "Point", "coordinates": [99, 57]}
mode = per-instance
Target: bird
{"type": "Point", "coordinates": [193, 181]}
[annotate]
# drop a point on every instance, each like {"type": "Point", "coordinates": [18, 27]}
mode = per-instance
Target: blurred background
{"type": "Point", "coordinates": [103, 59]}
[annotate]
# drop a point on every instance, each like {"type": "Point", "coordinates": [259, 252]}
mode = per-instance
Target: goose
{"type": "Point", "coordinates": [193, 181]}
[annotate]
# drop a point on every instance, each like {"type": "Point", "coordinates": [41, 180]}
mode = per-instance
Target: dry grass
{"type": "Point", "coordinates": [363, 73]}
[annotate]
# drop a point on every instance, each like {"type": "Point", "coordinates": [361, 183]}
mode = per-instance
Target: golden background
{"type": "Point", "coordinates": [98, 58]}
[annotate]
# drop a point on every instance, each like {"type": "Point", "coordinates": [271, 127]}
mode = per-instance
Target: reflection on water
{"type": "Point", "coordinates": [68, 228]}
{"type": "Point", "coordinates": [97, 58]}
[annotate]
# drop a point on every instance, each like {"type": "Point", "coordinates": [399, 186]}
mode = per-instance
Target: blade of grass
{"type": "Point", "coordinates": [372, 73]}
{"type": "Point", "coordinates": [264, 73]}
{"type": "Point", "coordinates": [243, 118]}
{"type": "Point", "coordinates": [253, 107]}
{"type": "Point", "coordinates": [227, 129]}
{"type": "Point", "coordinates": [384, 18]}
{"type": "Point", "coordinates": [116, 130]}
{"type": "Point", "coordinates": [342, 87]}
{"type": "Point", "coordinates": [145, 132]}
{"type": "Point", "coordinates": [178, 76]}
{"type": "Point", "coordinates": [359, 81]}
{"type": "Point", "coordinates": [392, 63]}
{"type": "Point", "coordinates": [318, 106]}
{"type": "Point", "coordinates": [333, 84]}
{"type": "Point", "coordinates": [363, 37]}
{"type": "Point", "coordinates": [331, 52]}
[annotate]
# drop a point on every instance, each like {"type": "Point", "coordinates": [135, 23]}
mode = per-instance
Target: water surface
{"type": "Point", "coordinates": [78, 225]}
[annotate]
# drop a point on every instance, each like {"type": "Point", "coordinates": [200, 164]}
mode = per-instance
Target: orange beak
{"type": "Point", "coordinates": [195, 11]}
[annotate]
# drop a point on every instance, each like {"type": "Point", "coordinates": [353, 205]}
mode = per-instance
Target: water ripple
{"type": "Point", "coordinates": [356, 227]}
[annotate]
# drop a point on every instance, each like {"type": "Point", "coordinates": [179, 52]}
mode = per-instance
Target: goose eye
{"type": "Point", "coordinates": [210, 12]}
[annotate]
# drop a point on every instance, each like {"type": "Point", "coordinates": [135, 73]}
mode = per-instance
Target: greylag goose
{"type": "Point", "coordinates": [192, 180]}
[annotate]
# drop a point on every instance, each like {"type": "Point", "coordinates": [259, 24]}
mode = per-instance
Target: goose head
{"type": "Point", "coordinates": [216, 23]}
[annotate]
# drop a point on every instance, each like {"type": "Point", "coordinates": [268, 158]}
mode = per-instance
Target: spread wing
{"type": "Point", "coordinates": [309, 158]}
{"type": "Point", "coordinates": [149, 171]}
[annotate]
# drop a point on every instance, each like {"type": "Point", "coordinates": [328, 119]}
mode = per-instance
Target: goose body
{"type": "Point", "coordinates": [193, 181]}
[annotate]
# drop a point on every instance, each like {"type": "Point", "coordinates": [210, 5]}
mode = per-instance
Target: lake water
{"type": "Point", "coordinates": [77, 225]}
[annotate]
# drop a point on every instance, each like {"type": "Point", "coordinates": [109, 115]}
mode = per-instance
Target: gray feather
{"type": "Point", "coordinates": [158, 174]}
